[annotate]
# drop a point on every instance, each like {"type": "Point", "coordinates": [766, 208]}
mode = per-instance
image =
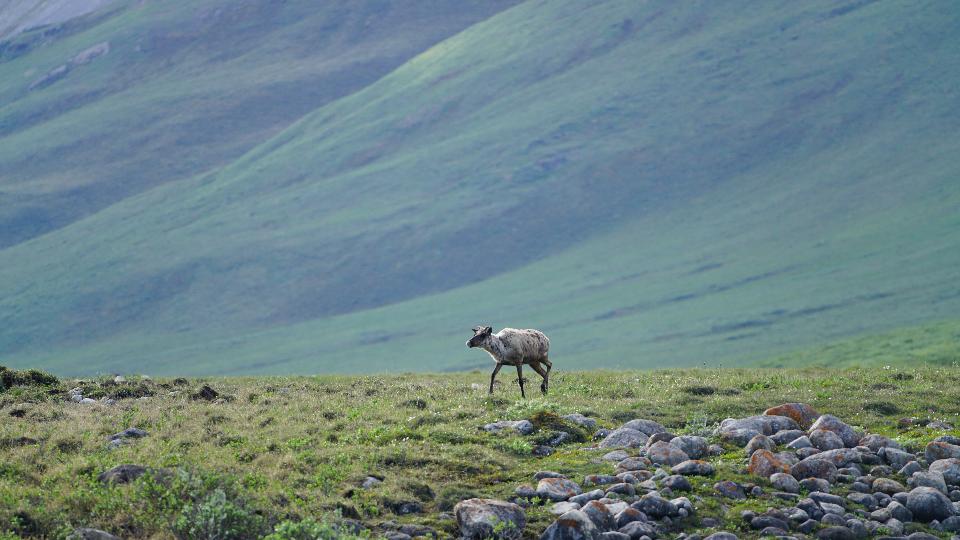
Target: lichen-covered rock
{"type": "Point", "coordinates": [629, 515]}
{"type": "Point", "coordinates": [825, 440]}
{"type": "Point", "coordinates": [927, 504]}
{"type": "Point", "coordinates": [633, 464]}
{"type": "Point", "coordinates": [786, 436]}
{"type": "Point", "coordinates": [729, 489]}
{"type": "Point", "coordinates": [949, 468]}
{"type": "Point", "coordinates": [624, 438]}
{"type": "Point", "coordinates": [584, 498]}
{"type": "Point", "coordinates": [523, 427]}
{"type": "Point", "coordinates": [574, 525]}
{"type": "Point", "coordinates": [841, 457]}
{"type": "Point", "coordinates": [763, 464]}
{"type": "Point", "coordinates": [741, 430]}
{"type": "Point", "coordinates": [829, 422]}
{"type": "Point", "coordinates": [692, 445]}
{"type": "Point", "coordinates": [663, 453]}
{"type": "Point", "coordinates": [489, 518]}
{"type": "Point", "coordinates": [888, 486]}
{"type": "Point", "coordinates": [938, 450]}
{"type": "Point", "coordinates": [638, 529]}
{"type": "Point", "coordinates": [801, 413]}
{"type": "Point", "coordinates": [581, 420]}
{"type": "Point", "coordinates": [647, 427]}
{"type": "Point", "coordinates": [895, 457]}
{"type": "Point", "coordinates": [557, 489]}
{"type": "Point", "coordinates": [815, 468]}
{"type": "Point", "coordinates": [655, 506]}
{"type": "Point", "coordinates": [876, 442]}
{"type": "Point", "coordinates": [800, 442]}
{"type": "Point", "coordinates": [759, 442]}
{"type": "Point", "coordinates": [694, 467]}
{"type": "Point", "coordinates": [677, 482]}
{"type": "Point", "coordinates": [600, 515]}
{"type": "Point", "coordinates": [932, 479]}
{"type": "Point", "coordinates": [563, 507]}
{"type": "Point", "coordinates": [785, 482]}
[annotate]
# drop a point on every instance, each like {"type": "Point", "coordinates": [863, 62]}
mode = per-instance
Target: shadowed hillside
{"type": "Point", "coordinates": [652, 184]}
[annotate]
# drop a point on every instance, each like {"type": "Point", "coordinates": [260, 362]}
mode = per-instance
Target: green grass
{"type": "Point", "coordinates": [288, 448]}
{"type": "Point", "coordinates": [652, 185]}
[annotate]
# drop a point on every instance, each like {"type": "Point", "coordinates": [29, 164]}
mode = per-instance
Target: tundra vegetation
{"type": "Point", "coordinates": [296, 457]}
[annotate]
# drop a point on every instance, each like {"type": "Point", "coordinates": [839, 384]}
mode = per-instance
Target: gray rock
{"type": "Point", "coordinates": [614, 506]}
{"type": "Point", "coordinates": [561, 508]}
{"type": "Point", "coordinates": [785, 482]}
{"type": "Point", "coordinates": [663, 453]}
{"type": "Point", "coordinates": [489, 518]}
{"type": "Point", "coordinates": [929, 479]}
{"type": "Point", "coordinates": [639, 529]}
{"type": "Point", "coordinates": [895, 526]}
{"type": "Point", "coordinates": [557, 489]}
{"type": "Point", "coordinates": [633, 464]}
{"type": "Point", "coordinates": [895, 457]}
{"type": "Point", "coordinates": [830, 508]}
{"type": "Point", "coordinates": [600, 515]}
{"type": "Point", "coordinates": [574, 525]}
{"type": "Point", "coordinates": [811, 507]}
{"type": "Point", "coordinates": [677, 482]}
{"type": "Point", "coordinates": [815, 484]}
{"type": "Point", "coordinates": [87, 401]}
{"type": "Point", "coordinates": [694, 467]}
{"type": "Point", "coordinates": [622, 489]}
{"type": "Point", "coordinates": [729, 489]}
{"type": "Point", "coordinates": [129, 433]}
{"type": "Point", "coordinates": [647, 427]}
{"type": "Point", "coordinates": [938, 450]}
{"type": "Point", "coordinates": [584, 498]}
{"type": "Point", "coordinates": [927, 504]}
{"type": "Point", "coordinates": [900, 512]}
{"type": "Point", "coordinates": [814, 468]}
{"type": "Point", "coordinates": [804, 453]}
{"type": "Point", "coordinates": [122, 474]}
{"type": "Point", "coordinates": [85, 533]}
{"type": "Point", "coordinates": [826, 440]}
{"type": "Point", "coordinates": [829, 422]}
{"type": "Point", "coordinates": [876, 442]}
{"type": "Point", "coordinates": [881, 515]}
{"type": "Point", "coordinates": [800, 442]}
{"type": "Point", "coordinates": [864, 499]}
{"type": "Point", "coordinates": [600, 434]}
{"type": "Point", "coordinates": [833, 519]}
{"type": "Point", "coordinates": [540, 475]}
{"type": "Point", "coordinates": [762, 522]}
{"type": "Point", "coordinates": [786, 436]}
{"type": "Point", "coordinates": [370, 482]}
{"type": "Point", "coordinates": [628, 515]}
{"type": "Point", "coordinates": [616, 455]}
{"type": "Point", "coordinates": [523, 427]}
{"type": "Point", "coordinates": [581, 420]}
{"type": "Point", "coordinates": [910, 468]}
{"type": "Point", "coordinates": [693, 446]}
{"type": "Point", "coordinates": [722, 535]}
{"type": "Point", "coordinates": [822, 497]}
{"type": "Point", "coordinates": [624, 438]}
{"type": "Point", "coordinates": [655, 506]}
{"type": "Point", "coordinates": [888, 486]}
{"type": "Point", "coordinates": [951, 524]}
{"type": "Point", "coordinates": [614, 535]}
{"type": "Point", "coordinates": [759, 442]}
{"type": "Point", "coordinates": [715, 450]}
{"type": "Point", "coordinates": [836, 533]}
{"type": "Point", "coordinates": [808, 526]}
{"type": "Point", "coordinates": [789, 458]}
{"type": "Point", "coordinates": [857, 527]}
{"type": "Point", "coordinates": [949, 468]}
{"type": "Point", "coordinates": [741, 430]}
{"type": "Point", "coordinates": [952, 439]}
{"type": "Point", "coordinates": [841, 457]}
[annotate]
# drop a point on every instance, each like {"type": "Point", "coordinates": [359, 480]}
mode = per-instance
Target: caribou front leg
{"type": "Point", "coordinates": [494, 375]}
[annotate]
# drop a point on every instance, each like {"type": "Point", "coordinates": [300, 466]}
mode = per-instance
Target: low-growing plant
{"type": "Point", "coordinates": [217, 517]}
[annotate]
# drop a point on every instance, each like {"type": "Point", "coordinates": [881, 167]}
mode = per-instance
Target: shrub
{"type": "Point", "coordinates": [217, 518]}
{"type": "Point", "coordinates": [309, 529]}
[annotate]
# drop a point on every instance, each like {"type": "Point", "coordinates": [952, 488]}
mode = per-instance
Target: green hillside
{"type": "Point", "coordinates": [653, 184]}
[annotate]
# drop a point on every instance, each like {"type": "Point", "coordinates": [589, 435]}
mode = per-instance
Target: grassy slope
{"type": "Point", "coordinates": [666, 185]}
{"type": "Point", "coordinates": [291, 448]}
{"type": "Point", "coordinates": [186, 87]}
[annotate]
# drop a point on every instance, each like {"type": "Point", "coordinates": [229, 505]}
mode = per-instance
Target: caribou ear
{"type": "Point", "coordinates": [488, 330]}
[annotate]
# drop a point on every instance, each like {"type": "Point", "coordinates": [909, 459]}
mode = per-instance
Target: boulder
{"type": "Point", "coordinates": [581, 420]}
{"type": "Point", "coordinates": [927, 504]}
{"type": "Point", "coordinates": [489, 518]}
{"type": "Point", "coordinates": [722, 535]}
{"type": "Point", "coordinates": [647, 427]}
{"type": "Point", "coordinates": [574, 525]}
{"type": "Point", "coordinates": [655, 506]}
{"type": "Point", "coordinates": [836, 532]}
{"type": "Point", "coordinates": [763, 464]}
{"type": "Point", "coordinates": [800, 442]}
{"type": "Point", "coordinates": [730, 490]}
{"type": "Point", "coordinates": [633, 464]}
{"type": "Point", "coordinates": [692, 445]}
{"type": "Point", "coordinates": [129, 433]}
{"type": "Point", "coordinates": [122, 474]}
{"type": "Point", "coordinates": [938, 450]}
{"type": "Point", "coordinates": [584, 498]}
{"type": "Point", "coordinates": [557, 489]}
{"type": "Point", "coordinates": [876, 442]}
{"type": "Point", "coordinates": [694, 467]}
{"type": "Point", "coordinates": [85, 533]}
{"type": "Point", "coordinates": [785, 482]}
{"type": "Point", "coordinates": [786, 436]}
{"type": "Point", "coordinates": [741, 430]}
{"type": "Point", "coordinates": [677, 482]}
{"type": "Point", "coordinates": [600, 515]}
{"type": "Point", "coordinates": [624, 438]}
{"type": "Point", "coordinates": [949, 468]}
{"type": "Point", "coordinates": [895, 457]}
{"type": "Point", "coordinates": [815, 468]}
{"type": "Point", "coordinates": [561, 508]}
{"type": "Point", "coordinates": [829, 422]}
{"type": "Point", "coordinates": [523, 427]}
{"type": "Point", "coordinates": [801, 413]}
{"type": "Point", "coordinates": [759, 442]}
{"type": "Point", "coordinates": [841, 457]}
{"type": "Point", "coordinates": [929, 479]}
{"type": "Point", "coordinates": [888, 486]}
{"type": "Point", "coordinates": [663, 453]}
{"type": "Point", "coordinates": [823, 439]}
{"type": "Point", "coordinates": [638, 529]}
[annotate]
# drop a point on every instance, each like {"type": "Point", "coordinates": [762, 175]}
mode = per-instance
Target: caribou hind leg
{"type": "Point", "coordinates": [520, 379]}
{"type": "Point", "coordinates": [543, 373]}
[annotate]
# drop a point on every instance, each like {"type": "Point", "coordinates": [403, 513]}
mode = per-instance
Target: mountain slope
{"type": "Point", "coordinates": [653, 184]}
{"type": "Point", "coordinates": [97, 108]}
